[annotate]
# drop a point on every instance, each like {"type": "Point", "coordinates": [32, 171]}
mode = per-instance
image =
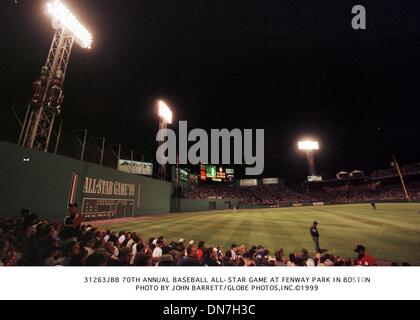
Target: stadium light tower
{"type": "Point", "coordinates": [309, 146]}
{"type": "Point", "coordinates": [165, 118]}
{"type": "Point", "coordinates": [47, 95]}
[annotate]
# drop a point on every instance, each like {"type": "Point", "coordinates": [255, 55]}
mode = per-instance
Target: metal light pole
{"type": "Point", "coordinates": [57, 142]}
{"type": "Point", "coordinates": [101, 148]}
{"type": "Point", "coordinates": [309, 147]}
{"type": "Point", "coordinates": [117, 153]}
{"type": "Point", "coordinates": [165, 118]}
{"type": "Point", "coordinates": [81, 141]}
{"type": "Point", "coordinates": [47, 95]}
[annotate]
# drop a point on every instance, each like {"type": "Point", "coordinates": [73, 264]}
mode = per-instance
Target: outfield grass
{"type": "Point", "coordinates": [391, 233]}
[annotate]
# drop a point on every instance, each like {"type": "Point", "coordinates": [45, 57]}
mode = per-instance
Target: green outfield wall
{"type": "Point", "coordinates": [189, 205]}
{"type": "Point", "coordinates": [46, 183]}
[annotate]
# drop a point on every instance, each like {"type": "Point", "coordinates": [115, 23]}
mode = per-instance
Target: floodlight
{"type": "Point", "coordinates": [63, 18]}
{"type": "Point", "coordinates": [308, 145]}
{"type": "Point", "coordinates": [164, 112]}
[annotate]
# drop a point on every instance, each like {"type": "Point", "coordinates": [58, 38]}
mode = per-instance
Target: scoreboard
{"type": "Point", "coordinates": [107, 208]}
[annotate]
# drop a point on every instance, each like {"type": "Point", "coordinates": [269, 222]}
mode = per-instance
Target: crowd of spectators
{"type": "Point", "coordinates": [406, 170]}
{"type": "Point", "coordinates": [29, 241]}
{"type": "Point", "coordinates": [377, 191]}
{"type": "Point", "coordinates": [280, 195]}
{"type": "Point", "coordinates": [256, 195]}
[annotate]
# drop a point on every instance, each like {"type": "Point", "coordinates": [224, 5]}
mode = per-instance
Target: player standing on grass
{"type": "Point", "coordinates": [315, 235]}
{"type": "Point", "coordinates": [373, 204]}
{"type": "Point", "coordinates": [235, 208]}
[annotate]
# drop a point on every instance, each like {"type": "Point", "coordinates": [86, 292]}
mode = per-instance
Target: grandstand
{"type": "Point", "coordinates": [329, 192]}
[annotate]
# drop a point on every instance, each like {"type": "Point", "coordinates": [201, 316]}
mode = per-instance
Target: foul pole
{"type": "Point", "coordinates": [407, 196]}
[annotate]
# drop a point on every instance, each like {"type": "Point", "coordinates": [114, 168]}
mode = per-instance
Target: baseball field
{"type": "Point", "coordinates": [390, 233]}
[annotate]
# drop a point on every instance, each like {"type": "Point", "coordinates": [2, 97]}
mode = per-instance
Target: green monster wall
{"type": "Point", "coordinates": [43, 182]}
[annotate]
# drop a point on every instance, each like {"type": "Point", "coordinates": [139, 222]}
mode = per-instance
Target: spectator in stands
{"type": "Point", "coordinates": [227, 260]}
{"type": "Point", "coordinates": [125, 255]}
{"type": "Point", "coordinates": [29, 218]}
{"type": "Point", "coordinates": [280, 262]}
{"type": "Point", "coordinates": [233, 251]}
{"type": "Point", "coordinates": [200, 251]}
{"type": "Point", "coordinates": [70, 250]}
{"type": "Point", "coordinates": [291, 262]}
{"type": "Point", "coordinates": [80, 259]}
{"type": "Point", "coordinates": [157, 251]}
{"type": "Point", "coordinates": [96, 260]}
{"type": "Point", "coordinates": [210, 258]}
{"type": "Point", "coordinates": [249, 259]}
{"type": "Point", "coordinates": [142, 260]}
{"type": "Point", "coordinates": [52, 256]}
{"type": "Point", "coordinates": [71, 227]}
{"type": "Point", "coordinates": [363, 258]}
{"type": "Point", "coordinates": [7, 254]}
{"type": "Point", "coordinates": [166, 260]}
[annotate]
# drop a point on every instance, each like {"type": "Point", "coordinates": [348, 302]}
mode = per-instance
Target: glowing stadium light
{"type": "Point", "coordinates": [164, 112]}
{"type": "Point", "coordinates": [62, 17]}
{"type": "Point", "coordinates": [308, 145]}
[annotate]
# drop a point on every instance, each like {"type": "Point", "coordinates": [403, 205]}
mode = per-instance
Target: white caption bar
{"type": "Point", "coordinates": [185, 283]}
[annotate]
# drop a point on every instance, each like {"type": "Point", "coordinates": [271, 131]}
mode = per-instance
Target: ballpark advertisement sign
{"type": "Point", "coordinates": [135, 167]}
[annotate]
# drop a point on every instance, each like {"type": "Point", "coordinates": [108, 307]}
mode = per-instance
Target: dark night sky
{"type": "Point", "coordinates": [290, 67]}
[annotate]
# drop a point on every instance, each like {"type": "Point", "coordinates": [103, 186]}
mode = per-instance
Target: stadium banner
{"type": "Point", "coordinates": [315, 178]}
{"type": "Point", "coordinates": [248, 182]}
{"type": "Point", "coordinates": [203, 175]}
{"type": "Point", "coordinates": [230, 171]}
{"type": "Point", "coordinates": [318, 204]}
{"type": "Point", "coordinates": [221, 174]}
{"type": "Point", "coordinates": [224, 283]}
{"type": "Point", "coordinates": [211, 171]}
{"type": "Point", "coordinates": [183, 175]}
{"type": "Point", "coordinates": [135, 167]}
{"type": "Point", "coordinates": [230, 174]}
{"type": "Point", "coordinates": [270, 181]}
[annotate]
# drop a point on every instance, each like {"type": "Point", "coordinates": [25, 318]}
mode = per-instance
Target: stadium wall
{"type": "Point", "coordinates": [46, 183]}
{"type": "Point", "coordinates": [189, 205]}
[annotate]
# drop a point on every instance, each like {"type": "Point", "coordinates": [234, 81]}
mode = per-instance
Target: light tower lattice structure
{"type": "Point", "coordinates": [47, 95]}
{"type": "Point", "coordinates": [165, 118]}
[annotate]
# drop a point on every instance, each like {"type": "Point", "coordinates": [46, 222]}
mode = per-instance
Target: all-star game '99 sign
{"type": "Point", "coordinates": [103, 199]}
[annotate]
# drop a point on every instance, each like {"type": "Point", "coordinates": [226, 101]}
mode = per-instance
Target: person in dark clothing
{"type": "Point", "coordinates": [373, 204]}
{"type": "Point", "coordinates": [315, 235]}
{"type": "Point", "coordinates": [71, 226]}
{"type": "Point", "coordinates": [29, 218]}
